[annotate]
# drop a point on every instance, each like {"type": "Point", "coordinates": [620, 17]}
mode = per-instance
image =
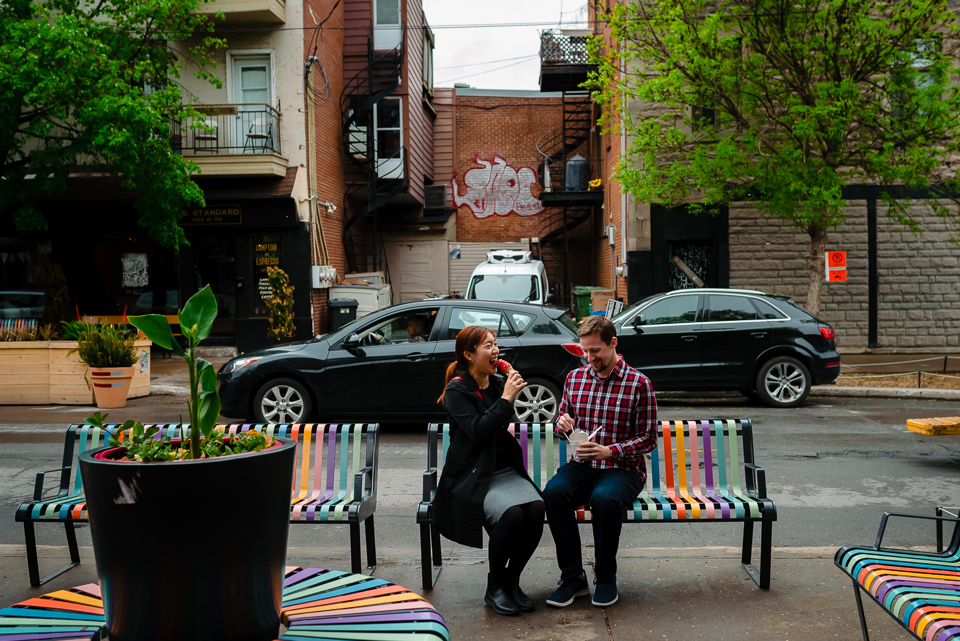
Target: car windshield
{"type": "Point", "coordinates": [509, 287]}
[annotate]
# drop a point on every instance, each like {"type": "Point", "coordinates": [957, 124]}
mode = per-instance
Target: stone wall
{"type": "Point", "coordinates": [919, 276]}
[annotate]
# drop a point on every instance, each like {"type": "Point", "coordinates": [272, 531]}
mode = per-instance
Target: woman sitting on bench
{"type": "Point", "coordinates": [483, 481]}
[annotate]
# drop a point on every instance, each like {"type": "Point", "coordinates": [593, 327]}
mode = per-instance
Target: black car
{"type": "Point", "coordinates": [372, 370]}
{"type": "Point", "coordinates": [729, 339]}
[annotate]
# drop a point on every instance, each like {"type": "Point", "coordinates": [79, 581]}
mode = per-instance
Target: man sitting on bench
{"type": "Point", "coordinates": [615, 404]}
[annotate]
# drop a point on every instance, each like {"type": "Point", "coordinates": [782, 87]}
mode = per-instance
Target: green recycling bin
{"type": "Point", "coordinates": [581, 300]}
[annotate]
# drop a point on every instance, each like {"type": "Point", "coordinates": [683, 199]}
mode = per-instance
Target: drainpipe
{"type": "Point", "coordinates": [623, 194]}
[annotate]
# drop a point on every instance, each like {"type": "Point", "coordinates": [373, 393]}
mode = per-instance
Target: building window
{"type": "Point", "coordinates": [387, 33]}
{"type": "Point", "coordinates": [388, 133]}
{"type": "Point", "coordinates": [428, 46]}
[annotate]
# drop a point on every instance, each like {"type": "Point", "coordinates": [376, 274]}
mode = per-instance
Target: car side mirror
{"type": "Point", "coordinates": [352, 342]}
{"type": "Point", "coordinates": [550, 298]}
{"type": "Point", "coordinates": [639, 320]}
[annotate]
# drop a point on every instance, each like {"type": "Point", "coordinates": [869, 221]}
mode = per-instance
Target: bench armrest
{"type": "Point", "coordinates": [429, 484]}
{"type": "Point", "coordinates": [358, 490]}
{"type": "Point", "coordinates": [38, 484]}
{"type": "Point", "coordinates": [887, 515]}
{"type": "Point", "coordinates": [756, 479]}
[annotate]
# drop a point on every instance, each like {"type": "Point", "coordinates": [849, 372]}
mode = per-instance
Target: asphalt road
{"type": "Point", "coordinates": [833, 466]}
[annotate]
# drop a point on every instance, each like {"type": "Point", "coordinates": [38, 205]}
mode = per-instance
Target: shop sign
{"type": "Point", "coordinates": [215, 215]}
{"type": "Point", "coordinates": [266, 253]}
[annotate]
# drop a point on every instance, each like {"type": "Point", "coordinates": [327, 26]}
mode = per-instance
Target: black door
{"type": "Point", "coordinates": [732, 336]}
{"type": "Point", "coordinates": [665, 347]}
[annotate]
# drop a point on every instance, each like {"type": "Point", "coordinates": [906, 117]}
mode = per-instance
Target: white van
{"type": "Point", "coordinates": [510, 275]}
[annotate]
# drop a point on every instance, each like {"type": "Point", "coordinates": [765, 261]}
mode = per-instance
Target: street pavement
{"type": "Point", "coordinates": [834, 465]}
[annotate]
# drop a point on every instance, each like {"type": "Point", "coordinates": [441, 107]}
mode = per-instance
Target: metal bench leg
{"type": "Point", "coordinates": [371, 544]}
{"type": "Point", "coordinates": [863, 619]}
{"type": "Point", "coordinates": [355, 565]}
{"type": "Point", "coordinates": [761, 578]}
{"type": "Point", "coordinates": [747, 552]}
{"type": "Point", "coordinates": [33, 565]}
{"type": "Point", "coordinates": [431, 561]}
{"type": "Point", "coordinates": [939, 512]}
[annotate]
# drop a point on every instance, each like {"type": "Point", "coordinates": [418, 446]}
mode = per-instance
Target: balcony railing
{"type": "Point", "coordinates": [242, 128]}
{"type": "Point", "coordinates": [557, 48]}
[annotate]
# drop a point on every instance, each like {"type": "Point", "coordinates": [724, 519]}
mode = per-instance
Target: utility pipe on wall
{"type": "Point", "coordinates": [623, 154]}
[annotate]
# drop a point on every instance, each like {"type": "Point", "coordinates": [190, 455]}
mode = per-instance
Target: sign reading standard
{"type": "Point", "coordinates": [218, 215]}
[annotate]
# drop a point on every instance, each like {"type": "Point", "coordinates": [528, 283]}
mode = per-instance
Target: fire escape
{"type": "Point", "coordinates": [377, 167]}
{"type": "Point", "coordinates": [569, 158]}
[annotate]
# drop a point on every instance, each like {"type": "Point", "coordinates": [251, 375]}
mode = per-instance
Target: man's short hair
{"type": "Point", "coordinates": [599, 325]}
{"type": "Point", "coordinates": [419, 320]}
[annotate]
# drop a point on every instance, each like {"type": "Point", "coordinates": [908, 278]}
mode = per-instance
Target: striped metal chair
{"type": "Point", "coordinates": [701, 471]}
{"type": "Point", "coordinates": [335, 482]}
{"type": "Point", "coordinates": [920, 590]}
{"type": "Point", "coordinates": [316, 604]}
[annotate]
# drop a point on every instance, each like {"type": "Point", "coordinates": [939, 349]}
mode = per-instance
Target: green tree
{"type": "Point", "coordinates": [94, 85]}
{"type": "Point", "coordinates": [782, 103]}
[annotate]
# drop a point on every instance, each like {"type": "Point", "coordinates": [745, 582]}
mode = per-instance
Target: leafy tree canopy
{"type": "Point", "coordinates": [92, 86]}
{"type": "Point", "coordinates": [782, 102]}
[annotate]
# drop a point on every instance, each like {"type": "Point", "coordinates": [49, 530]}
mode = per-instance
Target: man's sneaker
{"type": "Point", "coordinates": [568, 590]}
{"type": "Point", "coordinates": [605, 592]}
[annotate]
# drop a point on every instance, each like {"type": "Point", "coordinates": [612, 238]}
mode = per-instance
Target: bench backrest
{"type": "Point", "coordinates": [704, 455]}
{"type": "Point", "coordinates": [328, 456]}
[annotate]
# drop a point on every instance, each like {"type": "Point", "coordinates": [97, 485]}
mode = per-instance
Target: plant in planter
{"type": "Point", "coordinates": [281, 304]}
{"type": "Point", "coordinates": [210, 573]}
{"type": "Point", "coordinates": [108, 352]}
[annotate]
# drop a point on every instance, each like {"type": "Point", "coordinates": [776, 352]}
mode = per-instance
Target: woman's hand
{"type": "Point", "coordinates": [514, 384]}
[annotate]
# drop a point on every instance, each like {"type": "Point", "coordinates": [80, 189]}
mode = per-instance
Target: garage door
{"type": "Point", "coordinates": [417, 269]}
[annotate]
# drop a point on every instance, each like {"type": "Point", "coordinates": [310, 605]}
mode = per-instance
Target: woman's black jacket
{"type": "Point", "coordinates": [477, 419]}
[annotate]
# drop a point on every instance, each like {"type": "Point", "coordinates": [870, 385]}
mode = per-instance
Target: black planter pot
{"type": "Point", "coordinates": [191, 550]}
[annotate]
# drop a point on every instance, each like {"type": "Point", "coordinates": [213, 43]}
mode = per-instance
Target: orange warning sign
{"type": "Point", "coordinates": [837, 259]}
{"type": "Point", "coordinates": [837, 275]}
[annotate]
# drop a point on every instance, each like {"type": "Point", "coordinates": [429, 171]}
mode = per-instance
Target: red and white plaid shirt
{"type": "Point", "coordinates": [623, 403]}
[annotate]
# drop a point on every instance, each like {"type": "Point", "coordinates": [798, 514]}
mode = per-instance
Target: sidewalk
{"type": "Point", "coordinates": [666, 594]}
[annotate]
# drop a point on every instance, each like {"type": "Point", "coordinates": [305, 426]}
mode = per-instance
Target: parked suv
{"type": "Point", "coordinates": [512, 276]}
{"type": "Point", "coordinates": [764, 346]}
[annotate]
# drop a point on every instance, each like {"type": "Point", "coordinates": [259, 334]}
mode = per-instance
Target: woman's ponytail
{"type": "Point", "coordinates": [451, 370]}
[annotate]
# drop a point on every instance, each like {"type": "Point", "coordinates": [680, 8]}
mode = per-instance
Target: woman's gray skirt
{"type": "Point", "coordinates": [507, 488]}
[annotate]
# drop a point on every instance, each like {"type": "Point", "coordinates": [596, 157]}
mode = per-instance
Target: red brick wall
{"type": "Point", "coordinates": [508, 127]}
{"type": "Point", "coordinates": [326, 147]}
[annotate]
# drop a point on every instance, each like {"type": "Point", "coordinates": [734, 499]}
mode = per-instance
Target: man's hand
{"type": "Point", "coordinates": [590, 451]}
{"type": "Point", "coordinates": [565, 424]}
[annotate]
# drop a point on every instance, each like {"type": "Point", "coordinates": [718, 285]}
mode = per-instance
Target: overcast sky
{"type": "Point", "coordinates": [508, 51]}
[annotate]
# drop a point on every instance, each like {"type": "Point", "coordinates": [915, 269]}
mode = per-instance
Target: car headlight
{"type": "Point", "coordinates": [240, 363]}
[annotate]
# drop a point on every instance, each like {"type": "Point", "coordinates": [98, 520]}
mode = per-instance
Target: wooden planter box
{"type": "Point", "coordinates": [42, 373]}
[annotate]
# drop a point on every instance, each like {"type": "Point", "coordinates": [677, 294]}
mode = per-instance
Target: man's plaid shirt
{"type": "Point", "coordinates": [623, 404]}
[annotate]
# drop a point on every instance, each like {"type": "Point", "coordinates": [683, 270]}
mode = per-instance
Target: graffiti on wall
{"type": "Point", "coordinates": [497, 188]}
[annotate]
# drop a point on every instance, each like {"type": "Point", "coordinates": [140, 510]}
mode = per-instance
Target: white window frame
{"type": "Point", "coordinates": [234, 57]}
{"type": "Point", "coordinates": [387, 36]}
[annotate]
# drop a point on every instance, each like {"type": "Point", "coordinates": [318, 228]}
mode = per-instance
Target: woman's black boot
{"type": "Point", "coordinates": [498, 598]}
{"type": "Point", "coordinates": [524, 603]}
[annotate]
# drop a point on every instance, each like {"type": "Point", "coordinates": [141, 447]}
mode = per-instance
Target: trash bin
{"type": "Point", "coordinates": [342, 311]}
{"type": "Point", "coordinates": [581, 300]}
{"type": "Point", "coordinates": [578, 174]}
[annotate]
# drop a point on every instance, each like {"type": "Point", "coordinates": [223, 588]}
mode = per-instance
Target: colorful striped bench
{"type": "Point", "coordinates": [316, 604]}
{"type": "Point", "coordinates": [921, 590]}
{"type": "Point", "coordinates": [335, 482]}
{"type": "Point", "coordinates": [701, 471]}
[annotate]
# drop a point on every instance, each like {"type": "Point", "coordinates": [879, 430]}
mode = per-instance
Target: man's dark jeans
{"type": "Point", "coordinates": [608, 492]}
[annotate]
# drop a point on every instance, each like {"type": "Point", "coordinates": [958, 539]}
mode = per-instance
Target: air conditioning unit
{"type": "Point", "coordinates": [508, 256]}
{"type": "Point", "coordinates": [435, 197]}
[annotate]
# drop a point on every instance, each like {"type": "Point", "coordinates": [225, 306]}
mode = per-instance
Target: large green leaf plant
{"type": "Point", "coordinates": [196, 321]}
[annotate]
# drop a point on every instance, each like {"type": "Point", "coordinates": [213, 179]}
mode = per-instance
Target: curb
{"type": "Point", "coordinates": [886, 392]}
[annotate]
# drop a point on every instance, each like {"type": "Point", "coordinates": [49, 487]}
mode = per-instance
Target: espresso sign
{"type": "Point", "coordinates": [219, 215]}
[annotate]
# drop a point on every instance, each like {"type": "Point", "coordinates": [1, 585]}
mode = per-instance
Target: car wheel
{"type": "Point", "coordinates": [538, 402]}
{"type": "Point", "coordinates": [783, 382]}
{"type": "Point", "coordinates": [282, 400]}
